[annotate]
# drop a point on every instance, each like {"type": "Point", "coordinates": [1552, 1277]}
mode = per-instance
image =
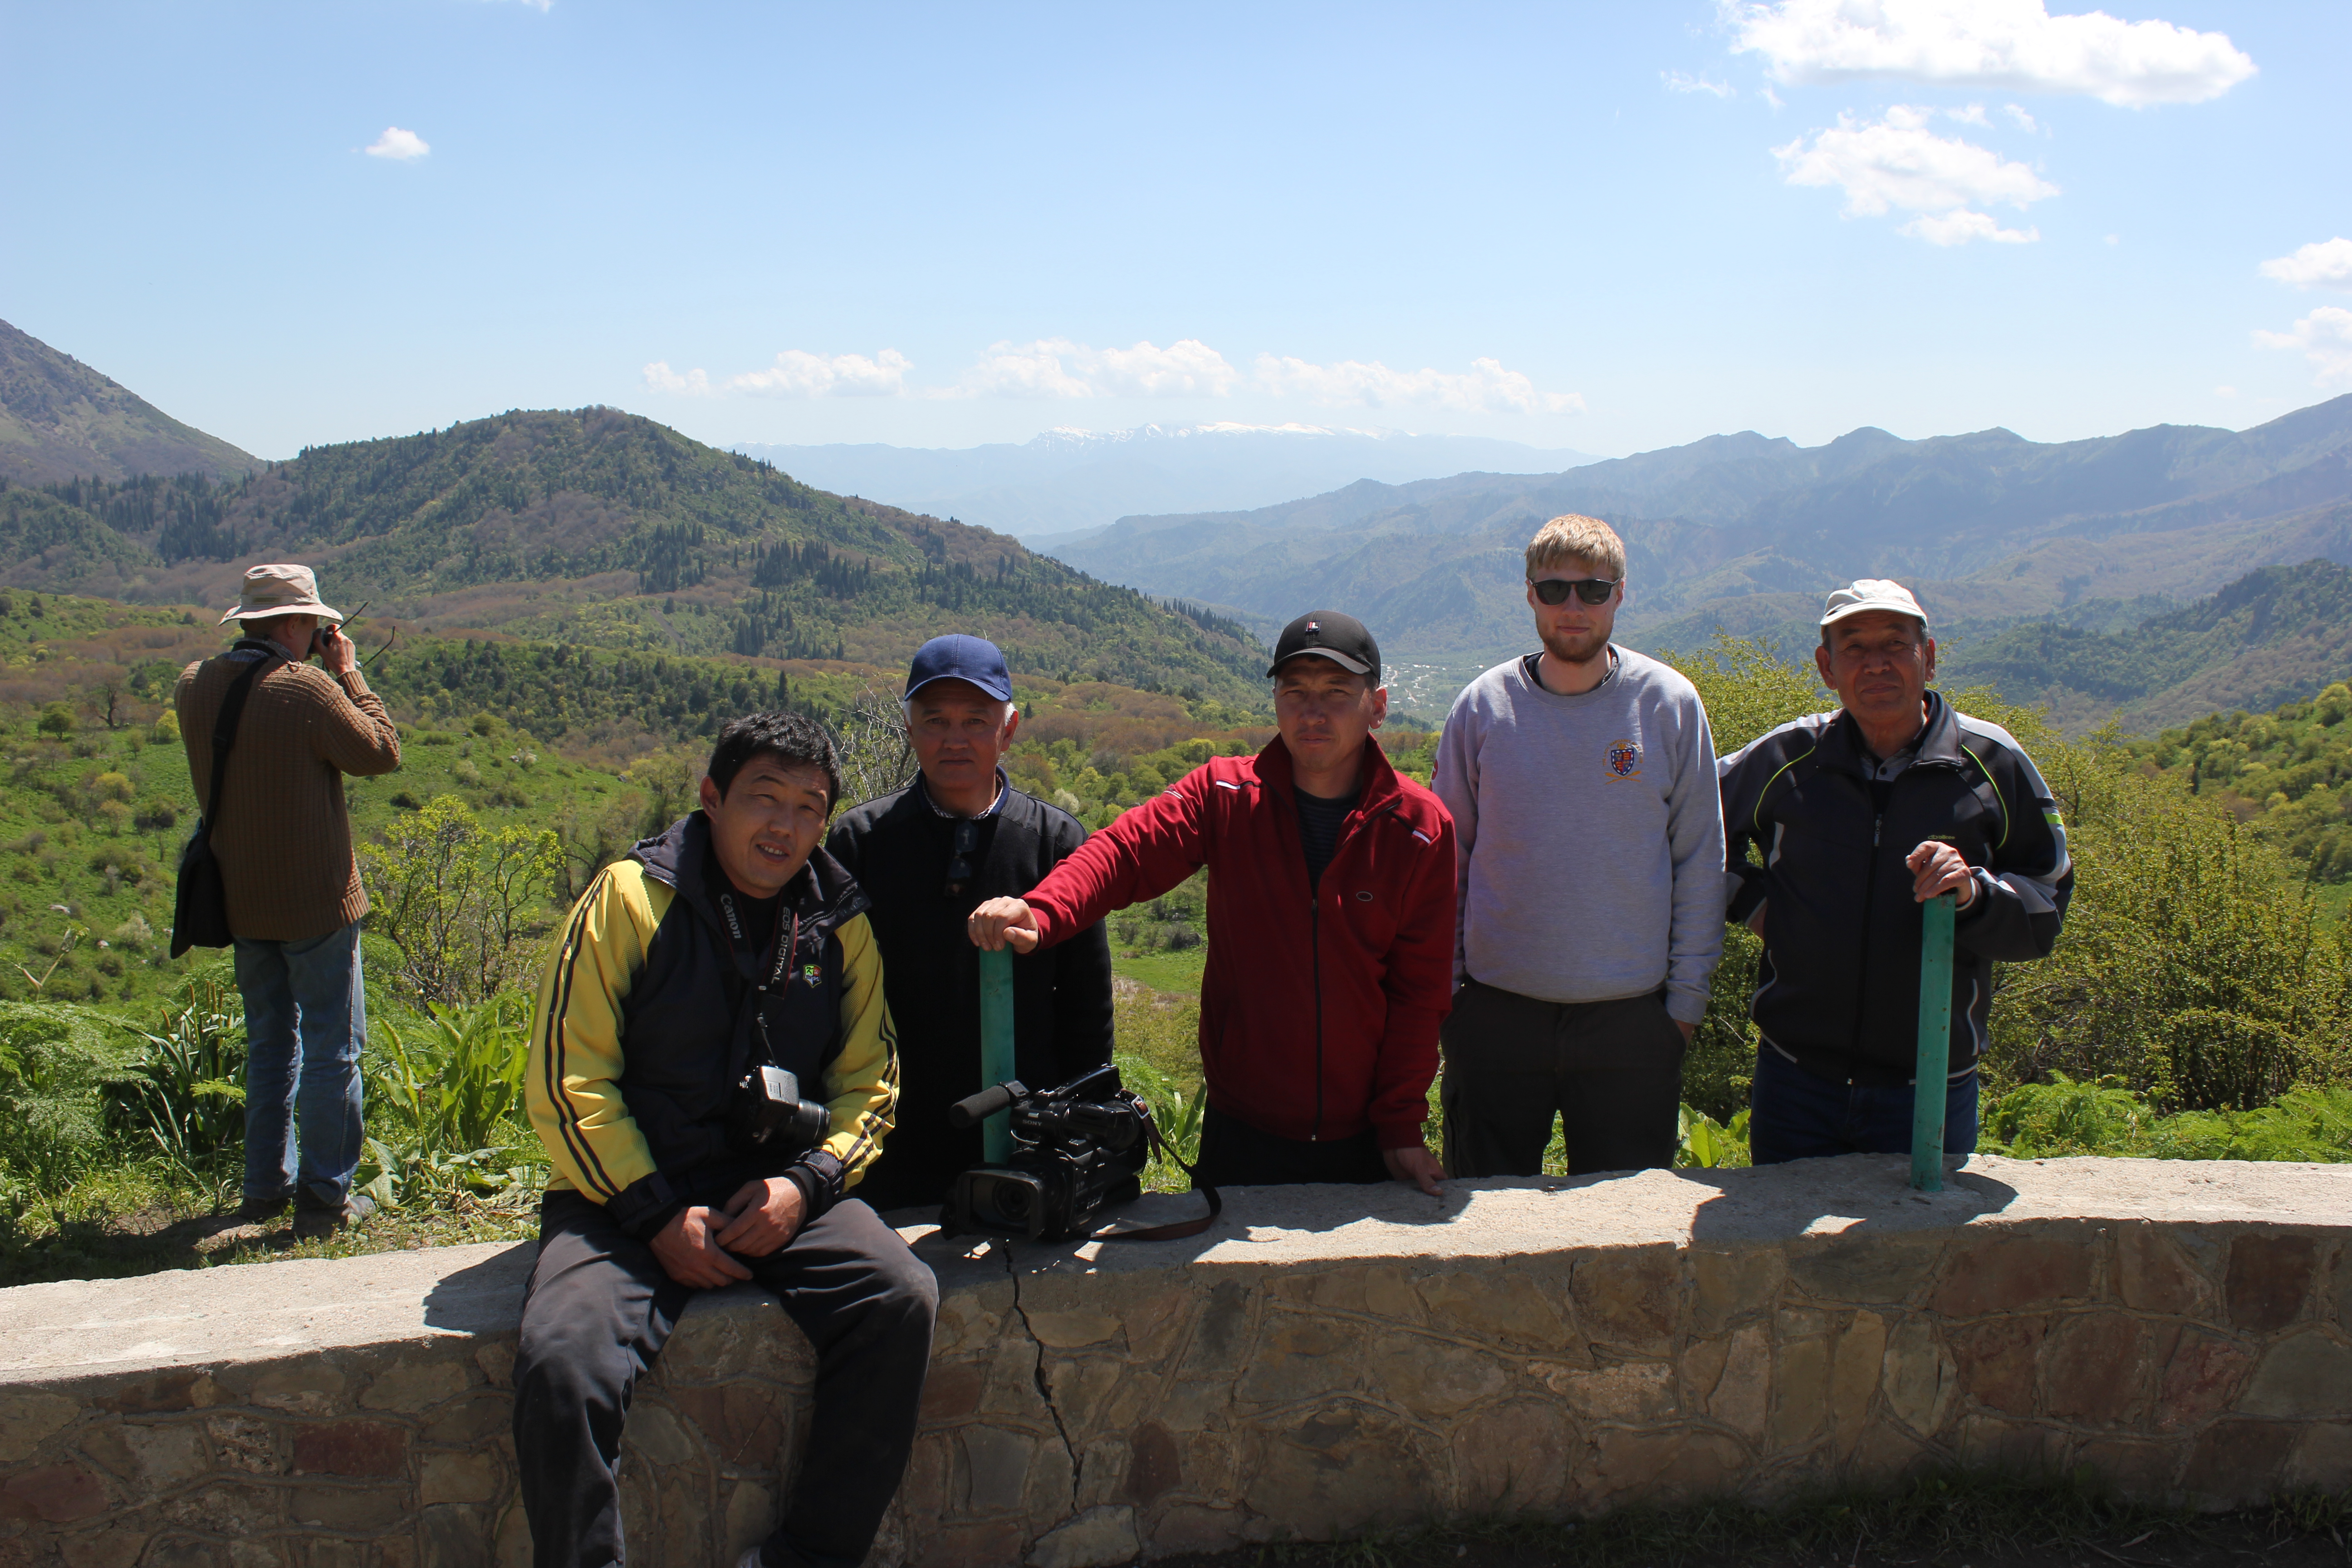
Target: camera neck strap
{"type": "Point", "coordinates": [1180, 1229]}
{"type": "Point", "coordinates": [231, 715]}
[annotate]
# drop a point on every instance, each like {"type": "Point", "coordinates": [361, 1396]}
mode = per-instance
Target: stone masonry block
{"type": "Point", "coordinates": [2202, 1373]}
{"type": "Point", "coordinates": [1629, 1297]}
{"type": "Point", "coordinates": [2095, 1368]}
{"type": "Point", "coordinates": [2015, 1273]}
{"type": "Point", "coordinates": [1854, 1371]}
{"type": "Point", "coordinates": [1861, 1268]}
{"type": "Point", "coordinates": [1921, 1380]}
{"type": "Point", "coordinates": [117, 1547]}
{"type": "Point", "coordinates": [2237, 1463]}
{"type": "Point", "coordinates": [1095, 1538]}
{"type": "Point", "coordinates": [1729, 1284]}
{"type": "Point", "coordinates": [27, 1419]}
{"type": "Point", "coordinates": [1513, 1458]}
{"type": "Point", "coordinates": [2268, 1277]}
{"type": "Point", "coordinates": [2307, 1375]}
{"type": "Point", "coordinates": [1432, 1377]}
{"type": "Point", "coordinates": [410, 1386]}
{"type": "Point", "coordinates": [351, 1448]}
{"type": "Point", "coordinates": [2323, 1457]}
{"type": "Point", "coordinates": [1340, 1471]}
{"type": "Point", "coordinates": [54, 1494]}
{"type": "Point", "coordinates": [1511, 1307]}
{"type": "Point", "coordinates": [168, 1392]}
{"type": "Point", "coordinates": [2155, 1274]}
{"type": "Point", "coordinates": [1997, 1358]}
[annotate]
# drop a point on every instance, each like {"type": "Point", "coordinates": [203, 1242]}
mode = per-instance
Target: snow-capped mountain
{"type": "Point", "coordinates": [1070, 480]}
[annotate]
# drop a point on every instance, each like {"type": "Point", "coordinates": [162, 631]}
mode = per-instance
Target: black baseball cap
{"type": "Point", "coordinates": [1341, 638]}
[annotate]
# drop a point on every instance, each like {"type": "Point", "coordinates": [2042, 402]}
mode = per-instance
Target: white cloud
{"type": "Point", "coordinates": [2325, 336]}
{"type": "Point", "coordinates": [2023, 121]}
{"type": "Point", "coordinates": [798, 373]}
{"type": "Point", "coordinates": [1487, 388]}
{"type": "Point", "coordinates": [2225, 392]}
{"type": "Point", "coordinates": [1058, 367]}
{"type": "Point", "coordinates": [1973, 115]}
{"type": "Point", "coordinates": [1683, 81]}
{"type": "Point", "coordinates": [661, 378]}
{"type": "Point", "coordinates": [2327, 265]}
{"type": "Point", "coordinates": [398, 145]}
{"type": "Point", "coordinates": [2013, 44]}
{"type": "Point", "coordinates": [1897, 162]}
{"type": "Point", "coordinates": [1959, 228]}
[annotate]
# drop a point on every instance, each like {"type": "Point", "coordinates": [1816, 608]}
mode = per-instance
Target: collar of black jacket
{"type": "Point", "coordinates": [824, 895]}
{"type": "Point", "coordinates": [1939, 743]}
{"type": "Point", "coordinates": [1377, 783]}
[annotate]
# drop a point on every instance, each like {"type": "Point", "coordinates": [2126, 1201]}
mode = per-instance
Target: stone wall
{"type": "Point", "coordinates": [1309, 1369]}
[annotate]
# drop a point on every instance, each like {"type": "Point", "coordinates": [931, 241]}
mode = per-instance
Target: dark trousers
{"type": "Point", "coordinates": [1798, 1115]}
{"type": "Point", "coordinates": [599, 1309]}
{"type": "Point", "coordinates": [1611, 1072]}
{"type": "Point", "coordinates": [1235, 1154]}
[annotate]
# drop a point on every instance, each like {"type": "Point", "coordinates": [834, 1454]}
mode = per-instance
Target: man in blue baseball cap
{"type": "Point", "coordinates": [928, 856]}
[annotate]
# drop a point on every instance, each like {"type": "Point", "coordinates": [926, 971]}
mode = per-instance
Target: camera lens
{"type": "Point", "coordinates": [1011, 1200]}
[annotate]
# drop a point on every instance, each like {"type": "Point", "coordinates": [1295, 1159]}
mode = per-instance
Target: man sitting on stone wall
{"type": "Point", "coordinates": [729, 943]}
{"type": "Point", "coordinates": [1330, 925]}
{"type": "Point", "coordinates": [1859, 816]}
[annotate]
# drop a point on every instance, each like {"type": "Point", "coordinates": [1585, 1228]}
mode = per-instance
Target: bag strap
{"type": "Point", "coordinates": [231, 714]}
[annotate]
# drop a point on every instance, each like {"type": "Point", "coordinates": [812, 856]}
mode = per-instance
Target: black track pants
{"type": "Point", "coordinates": [1235, 1154]}
{"type": "Point", "coordinates": [598, 1311]}
{"type": "Point", "coordinates": [1611, 1071]}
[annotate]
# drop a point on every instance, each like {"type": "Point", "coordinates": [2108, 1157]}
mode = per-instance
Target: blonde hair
{"type": "Point", "coordinates": [1575, 537]}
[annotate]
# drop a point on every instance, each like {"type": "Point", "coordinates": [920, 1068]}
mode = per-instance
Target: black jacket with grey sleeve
{"type": "Point", "coordinates": [1838, 987]}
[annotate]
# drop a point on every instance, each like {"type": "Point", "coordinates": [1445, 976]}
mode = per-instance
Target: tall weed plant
{"type": "Point", "coordinates": [184, 1092]}
{"type": "Point", "coordinates": [446, 1106]}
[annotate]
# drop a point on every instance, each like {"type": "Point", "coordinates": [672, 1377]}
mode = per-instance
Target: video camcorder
{"type": "Point", "coordinates": [766, 1115]}
{"type": "Point", "coordinates": [1075, 1149]}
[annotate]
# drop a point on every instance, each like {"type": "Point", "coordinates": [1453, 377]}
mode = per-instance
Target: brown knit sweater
{"type": "Point", "coordinates": [284, 834]}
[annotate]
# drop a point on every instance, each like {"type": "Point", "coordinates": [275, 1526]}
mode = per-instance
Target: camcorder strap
{"type": "Point", "coordinates": [1180, 1229]}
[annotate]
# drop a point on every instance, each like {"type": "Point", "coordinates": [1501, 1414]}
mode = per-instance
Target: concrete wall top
{"type": "Point", "coordinates": [265, 1313]}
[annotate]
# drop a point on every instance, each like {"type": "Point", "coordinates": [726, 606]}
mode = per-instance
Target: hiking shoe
{"type": "Point", "coordinates": [318, 1224]}
{"type": "Point", "coordinates": [254, 1211]}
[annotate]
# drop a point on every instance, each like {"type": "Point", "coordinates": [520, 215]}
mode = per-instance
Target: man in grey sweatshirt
{"type": "Point", "coordinates": [1581, 780]}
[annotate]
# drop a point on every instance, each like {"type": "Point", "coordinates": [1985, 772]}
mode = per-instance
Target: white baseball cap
{"type": "Point", "coordinates": [1871, 593]}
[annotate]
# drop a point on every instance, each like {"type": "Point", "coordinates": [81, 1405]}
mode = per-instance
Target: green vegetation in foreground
{"type": "Point", "coordinates": [2200, 1005]}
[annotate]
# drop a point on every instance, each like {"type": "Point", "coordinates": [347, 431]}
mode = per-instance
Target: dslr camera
{"type": "Point", "coordinates": [1075, 1149]}
{"type": "Point", "coordinates": [766, 1115]}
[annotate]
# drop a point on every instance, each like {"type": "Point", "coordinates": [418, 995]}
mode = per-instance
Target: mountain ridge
{"type": "Point", "coordinates": [61, 419]}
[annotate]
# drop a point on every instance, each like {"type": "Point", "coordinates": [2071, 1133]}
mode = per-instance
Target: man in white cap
{"type": "Point", "coordinates": [282, 836]}
{"type": "Point", "coordinates": [1858, 817]}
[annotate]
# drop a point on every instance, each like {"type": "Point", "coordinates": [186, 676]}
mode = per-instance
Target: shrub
{"type": "Point", "coordinates": [449, 1098]}
{"type": "Point", "coordinates": [461, 903]}
{"type": "Point", "coordinates": [165, 730]}
{"type": "Point", "coordinates": [186, 1091]}
{"type": "Point", "coordinates": [58, 719]}
{"type": "Point", "coordinates": [157, 816]}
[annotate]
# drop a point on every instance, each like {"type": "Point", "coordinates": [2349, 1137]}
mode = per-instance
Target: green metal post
{"type": "Point", "coordinates": [996, 1048]}
{"type": "Point", "coordinates": [1931, 1090]}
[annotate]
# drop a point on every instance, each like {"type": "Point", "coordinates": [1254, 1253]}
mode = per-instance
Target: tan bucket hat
{"type": "Point", "coordinates": [280, 591]}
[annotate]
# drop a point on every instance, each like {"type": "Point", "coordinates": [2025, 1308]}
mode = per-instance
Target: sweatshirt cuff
{"type": "Point", "coordinates": [353, 681]}
{"type": "Point", "coordinates": [1398, 1135]}
{"type": "Point", "coordinates": [818, 1175]}
{"type": "Point", "coordinates": [644, 1205]}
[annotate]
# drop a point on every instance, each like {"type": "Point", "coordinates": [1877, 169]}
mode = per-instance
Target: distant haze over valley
{"type": "Point", "coordinates": [1067, 481]}
{"type": "Point", "coordinates": [1745, 533]}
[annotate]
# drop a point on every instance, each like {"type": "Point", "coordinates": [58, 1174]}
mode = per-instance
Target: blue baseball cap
{"type": "Point", "coordinates": [958, 656]}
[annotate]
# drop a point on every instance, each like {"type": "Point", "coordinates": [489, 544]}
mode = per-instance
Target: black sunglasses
{"type": "Point", "coordinates": [1591, 590]}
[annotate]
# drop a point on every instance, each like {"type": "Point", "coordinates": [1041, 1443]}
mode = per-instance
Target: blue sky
{"type": "Point", "coordinates": [1605, 227]}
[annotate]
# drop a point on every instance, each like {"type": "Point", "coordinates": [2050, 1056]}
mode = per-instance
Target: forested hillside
{"type": "Point", "coordinates": [599, 527]}
{"type": "Point", "coordinates": [2287, 773]}
{"type": "Point", "coordinates": [2275, 635]}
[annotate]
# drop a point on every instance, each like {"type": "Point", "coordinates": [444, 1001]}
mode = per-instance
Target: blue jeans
{"type": "Point", "coordinates": [1798, 1115]}
{"type": "Point", "coordinates": [304, 1007]}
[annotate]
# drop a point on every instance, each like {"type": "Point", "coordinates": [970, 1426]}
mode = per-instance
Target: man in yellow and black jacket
{"type": "Point", "coordinates": [728, 943]}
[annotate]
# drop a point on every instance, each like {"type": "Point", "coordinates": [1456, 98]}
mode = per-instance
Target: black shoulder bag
{"type": "Point", "coordinates": [200, 903]}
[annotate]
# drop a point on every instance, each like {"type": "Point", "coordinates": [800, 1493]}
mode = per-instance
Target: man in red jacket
{"type": "Point", "coordinates": [1330, 925]}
